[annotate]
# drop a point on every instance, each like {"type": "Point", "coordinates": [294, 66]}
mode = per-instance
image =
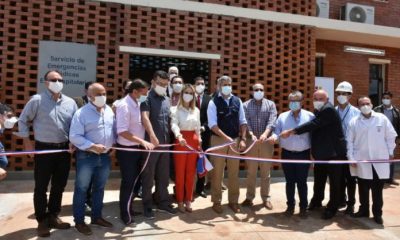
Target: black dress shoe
{"type": "Point", "coordinates": [313, 206]}
{"type": "Point", "coordinates": [349, 210]}
{"type": "Point", "coordinates": [289, 212]}
{"type": "Point", "coordinates": [378, 220]}
{"type": "Point", "coordinates": [360, 214]}
{"type": "Point", "coordinates": [328, 215]}
{"type": "Point", "coordinates": [202, 194]}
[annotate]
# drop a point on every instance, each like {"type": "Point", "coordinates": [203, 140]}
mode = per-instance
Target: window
{"type": "Point", "coordinates": [377, 75]}
{"type": "Point", "coordinates": [319, 66]}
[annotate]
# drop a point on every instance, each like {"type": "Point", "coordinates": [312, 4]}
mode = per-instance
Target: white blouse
{"type": "Point", "coordinates": [185, 120]}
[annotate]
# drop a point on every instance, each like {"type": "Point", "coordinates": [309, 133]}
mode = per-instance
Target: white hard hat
{"type": "Point", "coordinates": [344, 87]}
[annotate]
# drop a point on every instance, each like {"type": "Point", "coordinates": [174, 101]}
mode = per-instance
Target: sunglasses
{"type": "Point", "coordinates": [56, 80]}
{"type": "Point", "coordinates": [258, 90]}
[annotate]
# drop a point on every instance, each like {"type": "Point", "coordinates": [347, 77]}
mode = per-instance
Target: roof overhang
{"type": "Point", "coordinates": [327, 29]}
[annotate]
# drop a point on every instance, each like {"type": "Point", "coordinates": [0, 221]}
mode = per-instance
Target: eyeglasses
{"type": "Point", "coordinates": [258, 90]}
{"type": "Point", "coordinates": [191, 93]}
{"type": "Point", "coordinates": [56, 80]}
{"type": "Point", "coordinates": [342, 93]}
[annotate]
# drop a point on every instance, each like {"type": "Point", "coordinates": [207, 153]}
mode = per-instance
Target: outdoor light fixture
{"type": "Point", "coordinates": [361, 50]}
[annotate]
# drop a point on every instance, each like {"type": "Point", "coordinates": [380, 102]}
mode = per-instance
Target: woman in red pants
{"type": "Point", "coordinates": [185, 124]}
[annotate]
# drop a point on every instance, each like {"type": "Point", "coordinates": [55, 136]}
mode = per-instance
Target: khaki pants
{"type": "Point", "coordinates": [262, 150]}
{"type": "Point", "coordinates": [218, 173]}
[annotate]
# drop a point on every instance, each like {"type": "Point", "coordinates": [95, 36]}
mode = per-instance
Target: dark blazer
{"type": "Point", "coordinates": [327, 138]}
{"type": "Point", "coordinates": [205, 136]}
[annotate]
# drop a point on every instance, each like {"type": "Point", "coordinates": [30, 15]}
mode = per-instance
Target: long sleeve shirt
{"type": "Point", "coordinates": [259, 116]}
{"type": "Point", "coordinates": [47, 116]}
{"type": "Point", "coordinates": [128, 118]}
{"type": "Point", "coordinates": [287, 121]}
{"type": "Point", "coordinates": [183, 119]}
{"type": "Point", "coordinates": [212, 113]}
{"type": "Point", "coordinates": [90, 126]}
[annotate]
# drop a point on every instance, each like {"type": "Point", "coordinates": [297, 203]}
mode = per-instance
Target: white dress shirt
{"type": "Point", "coordinates": [183, 119]}
{"type": "Point", "coordinates": [370, 139]}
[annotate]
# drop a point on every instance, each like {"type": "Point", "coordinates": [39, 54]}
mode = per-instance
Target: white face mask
{"type": "Point", "coordinates": [100, 101]}
{"type": "Point", "coordinates": [318, 105]}
{"type": "Point", "coordinates": [200, 89]}
{"type": "Point", "coordinates": [187, 97]}
{"type": "Point", "coordinates": [141, 99]}
{"type": "Point", "coordinates": [226, 90]}
{"type": "Point", "coordinates": [161, 91]}
{"type": "Point", "coordinates": [10, 122]}
{"type": "Point", "coordinates": [386, 102]}
{"type": "Point", "coordinates": [177, 87]}
{"type": "Point", "coordinates": [342, 99]}
{"type": "Point", "coordinates": [366, 109]}
{"type": "Point", "coordinates": [55, 87]}
{"type": "Point", "coordinates": [258, 95]}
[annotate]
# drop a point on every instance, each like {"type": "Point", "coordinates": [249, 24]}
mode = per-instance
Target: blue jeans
{"type": "Point", "coordinates": [95, 168]}
{"type": "Point", "coordinates": [296, 173]}
{"type": "Point", "coordinates": [3, 159]}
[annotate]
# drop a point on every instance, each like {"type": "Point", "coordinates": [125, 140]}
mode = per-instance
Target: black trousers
{"type": "Point", "coordinates": [54, 167]}
{"type": "Point", "coordinates": [200, 183]}
{"type": "Point", "coordinates": [376, 187]}
{"type": "Point", "coordinates": [130, 166]}
{"type": "Point", "coordinates": [335, 174]}
{"type": "Point", "coordinates": [156, 170]}
{"type": "Point", "coordinates": [348, 183]}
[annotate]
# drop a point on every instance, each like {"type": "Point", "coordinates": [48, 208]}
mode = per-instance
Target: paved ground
{"type": "Point", "coordinates": [17, 220]}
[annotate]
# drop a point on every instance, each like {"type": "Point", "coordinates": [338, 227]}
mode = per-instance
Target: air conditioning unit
{"type": "Point", "coordinates": [358, 13]}
{"type": "Point", "coordinates": [323, 8]}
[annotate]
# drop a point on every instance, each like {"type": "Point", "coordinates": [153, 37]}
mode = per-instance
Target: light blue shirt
{"type": "Point", "coordinates": [90, 127]}
{"type": "Point", "coordinates": [212, 112]}
{"type": "Point", "coordinates": [287, 121]}
{"type": "Point", "coordinates": [346, 115]}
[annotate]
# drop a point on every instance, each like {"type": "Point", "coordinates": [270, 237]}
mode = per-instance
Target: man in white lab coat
{"type": "Point", "coordinates": [370, 136]}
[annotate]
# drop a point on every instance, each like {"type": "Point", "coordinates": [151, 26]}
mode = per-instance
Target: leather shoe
{"type": "Point", "coordinates": [84, 229]}
{"type": "Point", "coordinates": [217, 208]}
{"type": "Point", "coordinates": [328, 215]}
{"type": "Point", "coordinates": [101, 222]}
{"type": "Point", "coordinates": [393, 182]}
{"type": "Point", "coordinates": [268, 205]}
{"type": "Point", "coordinates": [378, 220]}
{"type": "Point", "coordinates": [202, 194]}
{"type": "Point", "coordinates": [360, 214]}
{"type": "Point", "coordinates": [57, 223]}
{"type": "Point", "coordinates": [235, 207]}
{"type": "Point", "coordinates": [313, 206]}
{"type": "Point", "coordinates": [289, 212]}
{"type": "Point", "coordinates": [43, 229]}
{"type": "Point", "coordinates": [247, 203]}
{"type": "Point", "coordinates": [303, 213]}
{"type": "Point", "coordinates": [349, 210]}
{"type": "Point", "coordinates": [207, 186]}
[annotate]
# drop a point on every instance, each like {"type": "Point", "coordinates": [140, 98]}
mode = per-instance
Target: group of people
{"type": "Point", "coordinates": [144, 124]}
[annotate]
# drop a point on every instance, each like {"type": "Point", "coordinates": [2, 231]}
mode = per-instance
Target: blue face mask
{"type": "Point", "coordinates": [294, 106]}
{"type": "Point", "coordinates": [226, 90]}
{"type": "Point", "coordinates": [142, 98]}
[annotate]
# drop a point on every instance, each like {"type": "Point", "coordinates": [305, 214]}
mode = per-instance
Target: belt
{"type": "Point", "coordinates": [108, 152]}
{"type": "Point", "coordinates": [295, 152]}
{"type": "Point", "coordinates": [56, 145]}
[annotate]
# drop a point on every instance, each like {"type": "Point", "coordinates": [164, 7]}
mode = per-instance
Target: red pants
{"type": "Point", "coordinates": [185, 167]}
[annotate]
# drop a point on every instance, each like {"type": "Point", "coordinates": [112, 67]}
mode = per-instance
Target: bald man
{"type": "Point", "coordinates": [327, 143]}
{"type": "Point", "coordinates": [93, 134]}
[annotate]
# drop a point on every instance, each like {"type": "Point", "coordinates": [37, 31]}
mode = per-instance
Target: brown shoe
{"type": "Point", "coordinates": [217, 208]}
{"type": "Point", "coordinates": [57, 223]}
{"type": "Point", "coordinates": [235, 207]}
{"type": "Point", "coordinates": [83, 228]}
{"type": "Point", "coordinates": [247, 203]}
{"type": "Point", "coordinates": [268, 205]}
{"type": "Point", "coordinates": [43, 229]}
{"type": "Point", "coordinates": [101, 222]}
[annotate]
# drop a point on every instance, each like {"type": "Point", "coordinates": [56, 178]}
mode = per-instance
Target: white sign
{"type": "Point", "coordinates": [328, 85]}
{"type": "Point", "coordinates": [77, 63]}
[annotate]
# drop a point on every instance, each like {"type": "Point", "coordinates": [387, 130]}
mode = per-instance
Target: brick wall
{"type": "Point", "coordinates": [386, 12]}
{"type": "Point", "coordinates": [279, 55]}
